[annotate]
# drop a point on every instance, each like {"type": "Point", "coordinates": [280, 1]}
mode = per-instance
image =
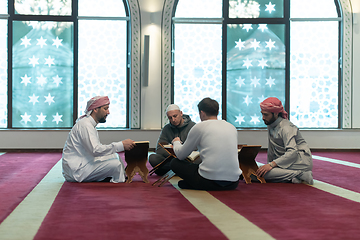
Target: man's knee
{"type": "Point", "coordinates": [155, 159]}
{"type": "Point", "coordinates": [174, 164]}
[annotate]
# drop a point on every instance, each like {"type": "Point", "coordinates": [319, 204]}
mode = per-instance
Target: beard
{"type": "Point", "coordinates": [273, 119]}
{"type": "Point", "coordinates": [102, 120]}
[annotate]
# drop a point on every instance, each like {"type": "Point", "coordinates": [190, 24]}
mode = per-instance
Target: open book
{"type": "Point", "coordinates": [194, 155]}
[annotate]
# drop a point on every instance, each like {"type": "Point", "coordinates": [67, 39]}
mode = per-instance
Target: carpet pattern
{"type": "Point", "coordinates": [123, 211]}
{"type": "Point", "coordinates": [141, 211]}
{"type": "Point", "coordinates": [19, 174]}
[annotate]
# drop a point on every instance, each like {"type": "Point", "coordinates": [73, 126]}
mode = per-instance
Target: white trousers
{"type": "Point", "coordinates": [104, 167]}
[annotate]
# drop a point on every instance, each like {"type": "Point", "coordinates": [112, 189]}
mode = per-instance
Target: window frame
{"type": "Point", "coordinates": [287, 21]}
{"type": "Point", "coordinates": [132, 68]}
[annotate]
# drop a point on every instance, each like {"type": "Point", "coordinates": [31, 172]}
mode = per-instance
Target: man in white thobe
{"type": "Point", "coordinates": [289, 156]}
{"type": "Point", "coordinates": [84, 158]}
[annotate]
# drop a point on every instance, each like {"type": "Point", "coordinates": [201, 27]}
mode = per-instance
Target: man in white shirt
{"type": "Point", "coordinates": [216, 140]}
{"type": "Point", "coordinates": [84, 158]}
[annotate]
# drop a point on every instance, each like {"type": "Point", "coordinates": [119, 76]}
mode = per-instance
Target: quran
{"type": "Point", "coordinates": [194, 155]}
{"type": "Point", "coordinates": [136, 160]}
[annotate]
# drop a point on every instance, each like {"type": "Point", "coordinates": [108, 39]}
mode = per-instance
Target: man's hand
{"type": "Point", "coordinates": [263, 170]}
{"type": "Point", "coordinates": [176, 139]}
{"type": "Point", "coordinates": [128, 144]}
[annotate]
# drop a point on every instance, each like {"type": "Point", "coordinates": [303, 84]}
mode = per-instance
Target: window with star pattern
{"type": "Point", "coordinates": [240, 52]}
{"type": "Point", "coordinates": [63, 53]}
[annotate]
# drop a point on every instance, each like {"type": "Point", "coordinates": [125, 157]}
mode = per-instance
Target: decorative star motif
{"type": "Point", "coordinates": [240, 119]}
{"type": "Point", "coordinates": [41, 118]}
{"type": "Point", "coordinates": [33, 99]}
{"type": "Point", "coordinates": [25, 118]}
{"type": "Point", "coordinates": [49, 61]}
{"type": "Point", "coordinates": [239, 44]}
{"type": "Point", "coordinates": [247, 63]}
{"type": "Point", "coordinates": [49, 99]}
{"type": "Point", "coordinates": [261, 99]}
{"type": "Point", "coordinates": [25, 80]}
{"type": "Point", "coordinates": [254, 119]}
{"type": "Point", "coordinates": [57, 42]}
{"type": "Point", "coordinates": [247, 27]}
{"type": "Point", "coordinates": [255, 81]}
{"type": "Point", "coordinates": [33, 61]}
{"type": "Point", "coordinates": [255, 44]}
{"type": "Point", "coordinates": [57, 118]}
{"type": "Point", "coordinates": [270, 44]}
{"type": "Point", "coordinates": [262, 63]}
{"type": "Point", "coordinates": [33, 24]}
{"type": "Point", "coordinates": [270, 81]}
{"type": "Point", "coordinates": [270, 7]}
{"type": "Point", "coordinates": [41, 80]}
{"type": "Point", "coordinates": [41, 42]}
{"type": "Point", "coordinates": [240, 81]}
{"type": "Point", "coordinates": [25, 41]}
{"type": "Point", "coordinates": [247, 100]}
{"type": "Point", "coordinates": [262, 27]}
{"type": "Point", "coordinates": [57, 80]}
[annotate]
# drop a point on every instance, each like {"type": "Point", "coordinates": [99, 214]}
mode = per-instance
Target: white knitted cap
{"type": "Point", "coordinates": [172, 107]}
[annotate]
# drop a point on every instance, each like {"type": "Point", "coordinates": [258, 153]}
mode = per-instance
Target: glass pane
{"type": "Point", "coordinates": [108, 8]}
{"type": "Point", "coordinates": [3, 7]}
{"type": "Point", "coordinates": [199, 9]}
{"type": "Point", "coordinates": [42, 74]}
{"type": "Point", "coordinates": [256, 8]}
{"type": "Point", "coordinates": [102, 66]}
{"type": "Point", "coordinates": [310, 9]}
{"type": "Point", "coordinates": [314, 74]}
{"type": "Point", "coordinates": [3, 73]}
{"type": "Point", "coordinates": [255, 70]}
{"type": "Point", "coordinates": [197, 70]}
{"type": "Point", "coordinates": [43, 7]}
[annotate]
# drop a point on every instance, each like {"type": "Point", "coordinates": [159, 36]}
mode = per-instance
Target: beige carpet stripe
{"type": "Point", "coordinates": [341, 192]}
{"type": "Point", "coordinates": [341, 162]}
{"type": "Point", "coordinates": [338, 191]}
{"type": "Point", "coordinates": [24, 222]}
{"type": "Point", "coordinates": [229, 222]}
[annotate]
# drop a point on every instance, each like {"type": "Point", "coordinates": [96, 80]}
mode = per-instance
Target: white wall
{"type": "Point", "coordinates": [151, 103]}
{"type": "Point", "coordinates": [151, 11]}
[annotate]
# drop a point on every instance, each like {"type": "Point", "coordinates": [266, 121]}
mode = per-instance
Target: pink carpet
{"type": "Point", "coordinates": [294, 211]}
{"type": "Point", "coordinates": [353, 157]}
{"type": "Point", "coordinates": [332, 173]}
{"type": "Point", "coordinates": [141, 211]}
{"type": "Point", "coordinates": [19, 174]}
{"type": "Point", "coordinates": [124, 211]}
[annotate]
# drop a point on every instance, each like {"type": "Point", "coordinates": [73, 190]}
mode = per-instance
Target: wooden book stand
{"type": "Point", "coordinates": [171, 153]}
{"type": "Point", "coordinates": [136, 160]}
{"type": "Point", "coordinates": [248, 166]}
{"type": "Point", "coordinates": [170, 174]}
{"type": "Point", "coordinates": [164, 179]}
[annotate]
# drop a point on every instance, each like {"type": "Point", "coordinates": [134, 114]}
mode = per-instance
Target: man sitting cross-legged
{"type": "Point", "coordinates": [84, 158]}
{"type": "Point", "coordinates": [289, 157]}
{"type": "Point", "coordinates": [179, 126]}
{"type": "Point", "coordinates": [216, 140]}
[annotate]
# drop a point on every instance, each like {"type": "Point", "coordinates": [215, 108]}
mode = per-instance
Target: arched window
{"type": "Point", "coordinates": [240, 52]}
{"type": "Point", "coordinates": [63, 52]}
